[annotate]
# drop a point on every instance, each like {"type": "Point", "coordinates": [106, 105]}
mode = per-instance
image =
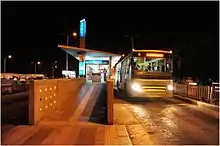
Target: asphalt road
{"type": "Point", "coordinates": [169, 121]}
{"type": "Point", "coordinates": [14, 109]}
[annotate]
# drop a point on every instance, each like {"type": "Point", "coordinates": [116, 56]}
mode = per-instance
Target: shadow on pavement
{"type": "Point", "coordinates": [15, 113]}
{"type": "Point", "coordinates": [99, 113]}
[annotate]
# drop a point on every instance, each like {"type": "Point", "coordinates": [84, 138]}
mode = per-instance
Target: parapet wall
{"type": "Point", "coordinates": [47, 95]}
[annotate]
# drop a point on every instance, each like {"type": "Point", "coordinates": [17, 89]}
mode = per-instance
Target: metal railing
{"type": "Point", "coordinates": [214, 93]}
{"type": "Point", "coordinates": [208, 94]}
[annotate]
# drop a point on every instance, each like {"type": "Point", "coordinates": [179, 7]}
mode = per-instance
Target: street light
{"type": "Point", "coordinates": [35, 66]}
{"type": "Point", "coordinates": [74, 34]}
{"type": "Point", "coordinates": [5, 59]}
{"type": "Point", "coordinates": [67, 55]}
{"type": "Point", "coordinates": [54, 67]}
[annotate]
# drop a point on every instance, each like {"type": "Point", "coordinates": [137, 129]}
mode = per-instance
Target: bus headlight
{"type": "Point", "coordinates": [136, 87]}
{"type": "Point", "coordinates": [170, 87]}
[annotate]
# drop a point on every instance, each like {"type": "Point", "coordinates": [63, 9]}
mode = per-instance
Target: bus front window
{"type": "Point", "coordinates": [149, 64]}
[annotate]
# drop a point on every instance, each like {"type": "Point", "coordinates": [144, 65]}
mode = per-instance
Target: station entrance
{"type": "Point", "coordinates": [97, 72]}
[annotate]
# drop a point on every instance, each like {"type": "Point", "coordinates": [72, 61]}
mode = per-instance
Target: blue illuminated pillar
{"type": "Point", "coordinates": [82, 33]}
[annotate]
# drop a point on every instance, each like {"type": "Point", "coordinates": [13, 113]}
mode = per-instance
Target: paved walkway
{"type": "Point", "coordinates": [80, 121]}
{"type": "Point", "coordinates": [80, 134]}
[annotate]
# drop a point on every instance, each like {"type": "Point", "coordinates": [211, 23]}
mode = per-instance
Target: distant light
{"type": "Point", "coordinates": [55, 66]}
{"type": "Point", "coordinates": [74, 34]}
{"type": "Point", "coordinates": [38, 62]}
{"type": "Point", "coordinates": [9, 56]}
{"type": "Point", "coordinates": [139, 54]}
{"type": "Point", "coordinates": [215, 83]}
{"type": "Point", "coordinates": [193, 84]}
{"type": "Point", "coordinates": [133, 50]}
{"type": "Point", "coordinates": [123, 55]}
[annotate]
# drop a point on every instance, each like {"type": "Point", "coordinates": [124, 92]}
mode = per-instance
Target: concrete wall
{"type": "Point", "coordinates": [47, 95]}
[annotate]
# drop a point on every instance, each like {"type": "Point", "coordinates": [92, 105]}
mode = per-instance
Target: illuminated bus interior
{"type": "Point", "coordinates": [152, 62]}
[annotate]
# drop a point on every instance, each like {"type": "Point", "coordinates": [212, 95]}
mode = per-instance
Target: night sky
{"type": "Point", "coordinates": [30, 31]}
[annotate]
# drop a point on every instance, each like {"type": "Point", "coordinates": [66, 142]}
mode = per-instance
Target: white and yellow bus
{"type": "Point", "coordinates": [146, 73]}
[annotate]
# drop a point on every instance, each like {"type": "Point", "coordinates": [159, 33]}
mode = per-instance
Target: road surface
{"type": "Point", "coordinates": [14, 109]}
{"type": "Point", "coordinates": [166, 121]}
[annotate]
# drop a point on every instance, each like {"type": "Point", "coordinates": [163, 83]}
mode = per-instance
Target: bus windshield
{"type": "Point", "coordinates": [152, 64]}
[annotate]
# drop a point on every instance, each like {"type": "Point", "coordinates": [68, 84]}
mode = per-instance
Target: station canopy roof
{"type": "Point", "coordinates": [90, 54]}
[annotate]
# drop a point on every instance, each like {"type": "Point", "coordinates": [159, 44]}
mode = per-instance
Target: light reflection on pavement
{"type": "Point", "coordinates": [174, 122]}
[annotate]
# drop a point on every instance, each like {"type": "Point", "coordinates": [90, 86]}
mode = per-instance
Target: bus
{"type": "Point", "coordinates": [145, 73]}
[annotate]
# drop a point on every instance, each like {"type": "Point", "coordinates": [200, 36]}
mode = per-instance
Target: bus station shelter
{"type": "Point", "coordinates": [94, 65]}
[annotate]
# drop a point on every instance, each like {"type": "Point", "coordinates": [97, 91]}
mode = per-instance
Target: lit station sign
{"type": "Point", "coordinates": [97, 62]}
{"type": "Point", "coordinates": [154, 55]}
{"type": "Point", "coordinates": [150, 55]}
{"type": "Point", "coordinates": [82, 28]}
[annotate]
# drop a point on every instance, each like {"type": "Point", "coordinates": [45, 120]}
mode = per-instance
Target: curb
{"type": "Point", "coordinates": [128, 139]}
{"type": "Point", "coordinates": [186, 99]}
{"type": "Point", "coordinates": [196, 102]}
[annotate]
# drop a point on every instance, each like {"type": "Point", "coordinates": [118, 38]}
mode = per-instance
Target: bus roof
{"type": "Point", "coordinates": [155, 51]}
